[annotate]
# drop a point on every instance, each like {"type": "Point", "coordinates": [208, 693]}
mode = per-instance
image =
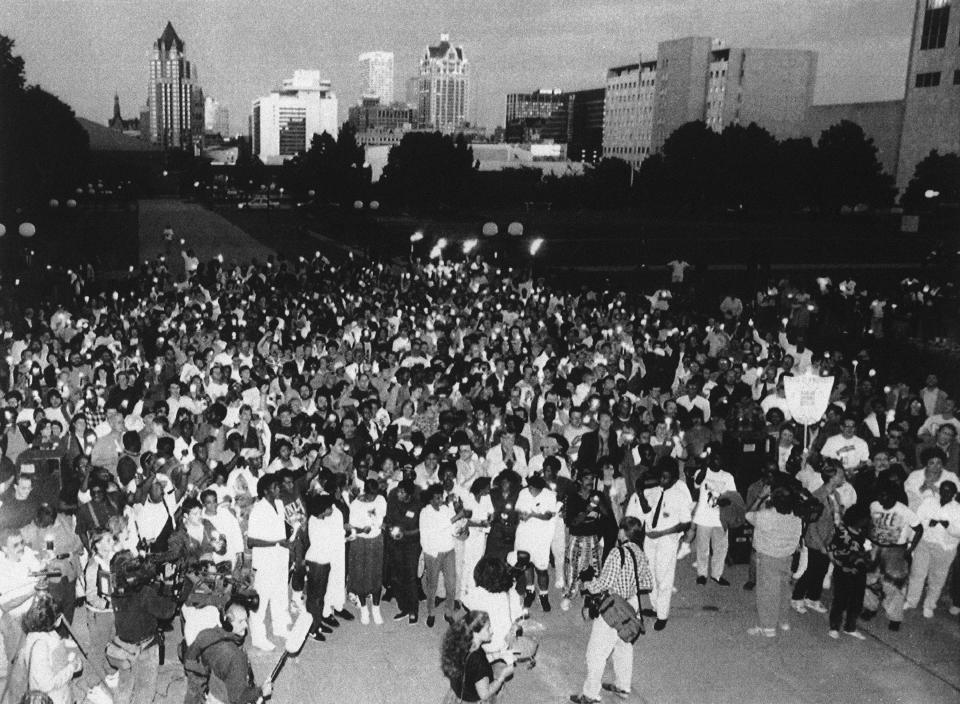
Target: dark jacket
{"type": "Point", "coordinates": [219, 652]}
{"type": "Point", "coordinates": [589, 446]}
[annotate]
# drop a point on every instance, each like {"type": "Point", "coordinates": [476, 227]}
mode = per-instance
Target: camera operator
{"type": "Point", "coordinates": [18, 564]}
{"type": "Point", "coordinates": [138, 607]}
{"type": "Point", "coordinates": [52, 536]}
{"type": "Point", "coordinates": [219, 651]}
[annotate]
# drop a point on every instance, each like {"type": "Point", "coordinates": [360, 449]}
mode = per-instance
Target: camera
{"type": "Point", "coordinates": [130, 573]}
{"type": "Point", "coordinates": [218, 584]}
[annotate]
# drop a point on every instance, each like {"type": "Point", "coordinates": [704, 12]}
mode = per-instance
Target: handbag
{"type": "Point", "coordinates": [618, 613]}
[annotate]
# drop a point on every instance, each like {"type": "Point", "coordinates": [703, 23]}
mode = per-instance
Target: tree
{"type": "Point", "coordinates": [795, 175]}
{"type": "Point", "coordinates": [848, 171]}
{"type": "Point", "coordinates": [747, 157]}
{"type": "Point", "coordinates": [428, 170]}
{"type": "Point", "coordinates": [691, 157]}
{"type": "Point", "coordinates": [939, 173]}
{"type": "Point", "coordinates": [43, 149]}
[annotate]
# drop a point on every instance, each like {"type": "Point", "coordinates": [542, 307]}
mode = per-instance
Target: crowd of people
{"type": "Point", "coordinates": [458, 438]}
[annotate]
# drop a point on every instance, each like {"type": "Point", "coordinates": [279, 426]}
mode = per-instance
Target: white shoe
{"type": "Point", "coordinates": [856, 634]}
{"type": "Point", "coordinates": [683, 551]}
{"type": "Point", "coordinates": [927, 613]}
{"type": "Point", "coordinates": [364, 615]}
{"type": "Point", "coordinates": [834, 634]}
{"type": "Point", "coordinates": [955, 610]}
{"type": "Point", "coordinates": [264, 645]}
{"type": "Point", "coordinates": [564, 604]}
{"type": "Point", "coordinates": [377, 616]}
{"type": "Point", "coordinates": [907, 606]}
{"type": "Point", "coordinates": [815, 606]}
{"type": "Point", "coordinates": [798, 605]}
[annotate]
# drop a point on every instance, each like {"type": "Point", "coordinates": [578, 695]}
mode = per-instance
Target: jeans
{"type": "Point", "coordinates": [711, 538]}
{"type": "Point", "coordinates": [848, 589]}
{"type": "Point", "coordinates": [433, 565]}
{"type": "Point", "coordinates": [810, 584]}
{"type": "Point", "coordinates": [773, 590]}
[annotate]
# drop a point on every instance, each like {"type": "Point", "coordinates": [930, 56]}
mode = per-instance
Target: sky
{"type": "Point", "coordinates": [85, 50]}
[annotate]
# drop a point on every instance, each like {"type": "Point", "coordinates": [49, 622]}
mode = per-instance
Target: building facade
{"type": "Point", "coordinates": [443, 88]}
{"type": "Point", "coordinates": [376, 76]}
{"type": "Point", "coordinates": [540, 116]}
{"type": "Point", "coordinates": [931, 117]}
{"type": "Point", "coordinates": [378, 124]}
{"type": "Point", "coordinates": [585, 125]}
{"type": "Point", "coordinates": [699, 78]}
{"type": "Point", "coordinates": [283, 123]}
{"type": "Point", "coordinates": [216, 118]}
{"type": "Point", "coordinates": [174, 97]}
{"type": "Point", "coordinates": [130, 127]}
{"type": "Point", "coordinates": [882, 121]}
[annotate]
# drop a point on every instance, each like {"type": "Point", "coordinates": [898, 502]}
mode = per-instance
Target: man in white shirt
{"type": "Point", "coordinates": [940, 518]}
{"type": "Point", "coordinates": [506, 455]}
{"type": "Point", "coordinates": [538, 509]}
{"type": "Point", "coordinates": [17, 562]}
{"type": "Point", "coordinates": [267, 539]}
{"type": "Point", "coordinates": [550, 447]}
{"type": "Point", "coordinates": [892, 525]}
{"type": "Point", "coordinates": [925, 483]}
{"type": "Point", "coordinates": [713, 483]}
{"type": "Point", "coordinates": [852, 451]}
{"type": "Point", "coordinates": [665, 512]}
{"type": "Point", "coordinates": [692, 399]}
{"type": "Point", "coordinates": [437, 541]}
{"type": "Point", "coordinates": [947, 416]}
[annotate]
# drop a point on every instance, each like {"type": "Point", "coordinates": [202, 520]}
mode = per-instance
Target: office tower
{"type": "Point", "coordinates": [216, 118]}
{"type": "Point", "coordinates": [443, 91]}
{"type": "Point", "coordinates": [284, 122]}
{"type": "Point", "coordinates": [174, 98]}
{"type": "Point", "coordinates": [537, 116]}
{"type": "Point", "coordinates": [376, 76]}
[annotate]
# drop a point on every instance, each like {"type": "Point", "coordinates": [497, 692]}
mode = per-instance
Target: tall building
{"type": "Point", "coordinates": [130, 127]}
{"type": "Point", "coordinates": [443, 91]}
{"type": "Point", "coordinates": [378, 124]}
{"type": "Point", "coordinates": [216, 118]}
{"type": "Point", "coordinates": [174, 98]}
{"type": "Point", "coordinates": [376, 75]}
{"type": "Point", "coordinates": [699, 78]}
{"type": "Point", "coordinates": [412, 86]}
{"type": "Point", "coordinates": [284, 122]}
{"type": "Point", "coordinates": [931, 118]}
{"type": "Point", "coordinates": [585, 125]}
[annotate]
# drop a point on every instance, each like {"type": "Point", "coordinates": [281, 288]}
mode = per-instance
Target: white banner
{"type": "Point", "coordinates": [808, 397]}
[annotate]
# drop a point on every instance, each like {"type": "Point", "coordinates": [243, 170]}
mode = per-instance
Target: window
{"type": "Point", "coordinates": [935, 21]}
{"type": "Point", "coordinates": [928, 80]}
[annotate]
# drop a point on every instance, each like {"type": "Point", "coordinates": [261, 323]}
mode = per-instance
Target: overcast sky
{"type": "Point", "coordinates": [84, 50]}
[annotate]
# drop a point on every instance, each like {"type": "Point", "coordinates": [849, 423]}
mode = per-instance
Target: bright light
{"type": "Point", "coordinates": [470, 245]}
{"type": "Point", "coordinates": [442, 243]}
{"type": "Point", "coordinates": [930, 193]}
{"type": "Point", "coordinates": [416, 236]}
{"type": "Point", "coordinates": [435, 253]}
{"type": "Point", "coordinates": [535, 246]}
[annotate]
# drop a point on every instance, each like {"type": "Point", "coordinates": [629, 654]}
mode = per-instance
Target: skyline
{"type": "Point", "coordinates": [85, 51]}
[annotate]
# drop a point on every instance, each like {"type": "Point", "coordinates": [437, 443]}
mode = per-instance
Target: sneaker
{"type": "Point", "coordinates": [815, 606]}
{"type": "Point", "coordinates": [798, 605]}
{"type": "Point", "coordinates": [324, 628]}
{"type": "Point", "coordinates": [331, 621]}
{"type": "Point", "coordinates": [757, 630]}
{"type": "Point", "coordinates": [659, 624]}
{"type": "Point", "coordinates": [583, 699]}
{"type": "Point", "coordinates": [377, 616]}
{"type": "Point", "coordinates": [856, 634]}
{"type": "Point", "coordinates": [564, 604]}
{"type": "Point", "coordinates": [528, 599]}
{"type": "Point", "coordinates": [722, 581]}
{"type": "Point", "coordinates": [834, 634]}
{"type": "Point", "coordinates": [399, 616]}
{"type": "Point", "coordinates": [364, 615]}
{"type": "Point", "coordinates": [545, 603]}
{"type": "Point", "coordinates": [955, 610]}
{"type": "Point", "coordinates": [785, 627]}
{"type": "Point", "coordinates": [927, 613]}
{"type": "Point", "coordinates": [413, 618]}
{"type": "Point", "coordinates": [344, 614]}
{"type": "Point", "coordinates": [701, 580]}
{"type": "Point", "coordinates": [431, 620]}
{"type": "Point", "coordinates": [609, 687]}
{"type": "Point", "coordinates": [683, 551]}
{"type": "Point", "coordinates": [318, 636]}
{"type": "Point", "coordinates": [749, 586]}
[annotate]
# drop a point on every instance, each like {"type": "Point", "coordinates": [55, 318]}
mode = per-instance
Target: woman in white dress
{"type": "Point", "coordinates": [477, 502]}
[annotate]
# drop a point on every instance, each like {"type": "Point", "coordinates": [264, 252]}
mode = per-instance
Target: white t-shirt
{"type": "Point", "coordinates": [947, 538]}
{"type": "Point", "coordinates": [892, 526]}
{"type": "Point", "coordinates": [267, 523]}
{"type": "Point", "coordinates": [368, 514]}
{"type": "Point", "coordinates": [714, 485]}
{"type": "Point", "coordinates": [915, 480]}
{"type": "Point", "coordinates": [851, 452]}
{"type": "Point", "coordinates": [674, 509]}
{"type": "Point", "coordinates": [535, 534]}
{"type": "Point", "coordinates": [436, 529]}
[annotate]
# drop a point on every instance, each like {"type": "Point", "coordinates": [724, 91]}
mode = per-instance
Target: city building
{"type": "Point", "coordinates": [130, 127]}
{"type": "Point", "coordinates": [412, 91]}
{"type": "Point", "coordinates": [443, 89]}
{"type": "Point", "coordinates": [376, 76]}
{"type": "Point", "coordinates": [540, 116]}
{"type": "Point", "coordinates": [585, 125]}
{"type": "Point", "coordinates": [882, 121]}
{"type": "Point", "coordinates": [376, 123]}
{"type": "Point", "coordinates": [174, 98]}
{"type": "Point", "coordinates": [216, 118]}
{"type": "Point", "coordinates": [284, 122]}
{"type": "Point", "coordinates": [699, 78]}
{"type": "Point", "coordinates": [931, 116]}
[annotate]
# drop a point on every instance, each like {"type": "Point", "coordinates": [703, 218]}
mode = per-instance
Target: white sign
{"type": "Point", "coordinates": [808, 397]}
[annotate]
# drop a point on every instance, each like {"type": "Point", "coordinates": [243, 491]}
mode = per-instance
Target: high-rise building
{"type": "Point", "coordinates": [216, 118]}
{"type": "Point", "coordinates": [585, 125]}
{"type": "Point", "coordinates": [174, 98]}
{"type": "Point", "coordinates": [412, 91]}
{"type": "Point", "coordinates": [378, 124]}
{"type": "Point", "coordinates": [284, 122]}
{"type": "Point", "coordinates": [443, 91]}
{"type": "Point", "coordinates": [537, 116]}
{"type": "Point", "coordinates": [699, 78]}
{"type": "Point", "coordinates": [931, 118]}
{"type": "Point", "coordinates": [376, 76]}
{"type": "Point", "coordinates": [130, 127]}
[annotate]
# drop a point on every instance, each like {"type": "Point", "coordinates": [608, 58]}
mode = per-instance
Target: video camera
{"type": "Point", "coordinates": [129, 573]}
{"type": "Point", "coordinates": [217, 584]}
